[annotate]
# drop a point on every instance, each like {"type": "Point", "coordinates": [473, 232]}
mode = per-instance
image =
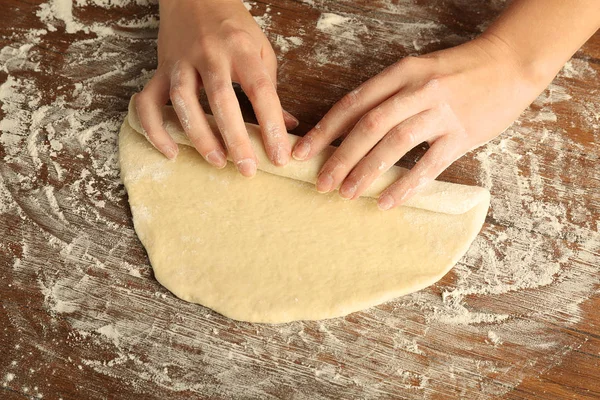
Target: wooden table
{"type": "Point", "coordinates": [82, 316]}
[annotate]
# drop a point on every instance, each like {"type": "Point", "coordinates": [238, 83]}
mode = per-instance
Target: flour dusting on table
{"type": "Point", "coordinates": [59, 183]}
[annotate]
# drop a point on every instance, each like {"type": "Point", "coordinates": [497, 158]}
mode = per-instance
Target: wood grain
{"type": "Point", "coordinates": [82, 316]}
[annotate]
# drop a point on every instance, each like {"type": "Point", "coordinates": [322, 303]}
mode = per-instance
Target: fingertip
{"type": "Point", "coordinates": [301, 150]}
{"type": "Point", "coordinates": [324, 183]}
{"type": "Point", "coordinates": [171, 151]}
{"type": "Point", "coordinates": [348, 190]}
{"type": "Point", "coordinates": [217, 158]}
{"type": "Point", "coordinates": [281, 155]}
{"type": "Point", "coordinates": [385, 202]}
{"type": "Point", "coordinates": [247, 167]}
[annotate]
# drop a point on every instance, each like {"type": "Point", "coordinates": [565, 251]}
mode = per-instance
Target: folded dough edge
{"type": "Point", "coordinates": [437, 196]}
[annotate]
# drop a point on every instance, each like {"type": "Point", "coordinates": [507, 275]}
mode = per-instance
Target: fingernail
{"type": "Point", "coordinates": [347, 190]}
{"type": "Point", "coordinates": [171, 152]}
{"type": "Point", "coordinates": [247, 167]}
{"type": "Point", "coordinates": [324, 183]}
{"type": "Point", "coordinates": [217, 158]}
{"type": "Point", "coordinates": [385, 202]}
{"type": "Point", "coordinates": [301, 150]}
{"type": "Point", "coordinates": [290, 117]}
{"type": "Point", "coordinates": [280, 157]}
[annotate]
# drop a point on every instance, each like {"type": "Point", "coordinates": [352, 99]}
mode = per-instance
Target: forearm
{"type": "Point", "coordinates": [542, 35]}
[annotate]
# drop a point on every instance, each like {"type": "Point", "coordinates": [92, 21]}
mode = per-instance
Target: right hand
{"type": "Point", "coordinates": [210, 44]}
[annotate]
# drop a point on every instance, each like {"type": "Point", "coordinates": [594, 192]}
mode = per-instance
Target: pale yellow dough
{"type": "Point", "coordinates": [271, 249]}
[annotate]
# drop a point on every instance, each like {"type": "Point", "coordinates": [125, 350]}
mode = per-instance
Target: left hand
{"type": "Point", "coordinates": [455, 99]}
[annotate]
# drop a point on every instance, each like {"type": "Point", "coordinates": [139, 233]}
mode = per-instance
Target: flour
{"type": "Point", "coordinates": [538, 253]}
{"type": "Point", "coordinates": [115, 3]}
{"type": "Point", "coordinates": [329, 22]}
{"type": "Point", "coordinates": [285, 44]}
{"type": "Point", "coordinates": [249, 4]}
{"type": "Point", "coordinates": [341, 42]}
{"type": "Point", "coordinates": [55, 12]}
{"type": "Point", "coordinates": [110, 332]}
{"type": "Point", "coordinates": [62, 10]}
{"type": "Point", "coordinates": [49, 192]}
{"type": "Point", "coordinates": [576, 68]}
{"type": "Point", "coordinates": [342, 34]}
{"type": "Point", "coordinates": [494, 338]}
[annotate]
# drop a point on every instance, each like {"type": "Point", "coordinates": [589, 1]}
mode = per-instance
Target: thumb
{"type": "Point", "coordinates": [270, 61]}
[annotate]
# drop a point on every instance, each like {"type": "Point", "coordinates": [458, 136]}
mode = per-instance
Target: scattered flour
{"type": "Point", "coordinates": [62, 10]}
{"type": "Point", "coordinates": [110, 332]}
{"type": "Point", "coordinates": [329, 22]}
{"type": "Point", "coordinates": [285, 44]}
{"type": "Point", "coordinates": [342, 34]}
{"type": "Point", "coordinates": [494, 338]}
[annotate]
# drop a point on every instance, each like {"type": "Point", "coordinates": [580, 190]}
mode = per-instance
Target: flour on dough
{"type": "Point", "coordinates": [271, 249]}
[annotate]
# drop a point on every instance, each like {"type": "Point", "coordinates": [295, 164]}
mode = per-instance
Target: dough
{"type": "Point", "coordinates": [271, 249]}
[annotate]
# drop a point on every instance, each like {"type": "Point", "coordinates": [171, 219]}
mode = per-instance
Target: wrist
{"type": "Point", "coordinates": [529, 66]}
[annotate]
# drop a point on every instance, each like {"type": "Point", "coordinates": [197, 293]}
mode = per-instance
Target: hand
{"type": "Point", "coordinates": [456, 99]}
{"type": "Point", "coordinates": [210, 44]}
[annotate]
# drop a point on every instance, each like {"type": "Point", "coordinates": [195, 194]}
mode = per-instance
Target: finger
{"type": "Point", "coordinates": [148, 104]}
{"type": "Point", "coordinates": [367, 132]}
{"type": "Point", "coordinates": [226, 110]}
{"type": "Point", "coordinates": [270, 61]}
{"type": "Point", "coordinates": [291, 122]}
{"type": "Point", "coordinates": [394, 145]}
{"type": "Point", "coordinates": [183, 92]}
{"type": "Point", "coordinates": [260, 89]}
{"type": "Point", "coordinates": [349, 109]}
{"type": "Point", "coordinates": [443, 152]}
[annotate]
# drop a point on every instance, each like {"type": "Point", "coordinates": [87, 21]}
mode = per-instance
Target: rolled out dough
{"type": "Point", "coordinates": [271, 249]}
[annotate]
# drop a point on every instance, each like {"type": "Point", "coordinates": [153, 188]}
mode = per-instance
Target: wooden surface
{"type": "Point", "coordinates": [81, 315]}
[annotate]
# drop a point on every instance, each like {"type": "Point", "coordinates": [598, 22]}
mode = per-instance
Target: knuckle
{"type": "Point", "coordinates": [239, 37]}
{"type": "Point", "coordinates": [410, 138]}
{"type": "Point", "coordinates": [402, 139]}
{"type": "Point", "coordinates": [219, 87]}
{"type": "Point", "coordinates": [408, 62]}
{"type": "Point", "coordinates": [336, 161]}
{"type": "Point", "coordinates": [153, 136]}
{"type": "Point", "coordinates": [433, 88]}
{"type": "Point", "coordinates": [319, 132]}
{"type": "Point", "coordinates": [362, 171]}
{"type": "Point", "coordinates": [319, 129]}
{"type": "Point", "coordinates": [432, 84]}
{"type": "Point", "coordinates": [261, 87]}
{"type": "Point", "coordinates": [349, 101]}
{"type": "Point", "coordinates": [176, 72]}
{"type": "Point", "coordinates": [373, 167]}
{"type": "Point", "coordinates": [176, 92]}
{"type": "Point", "coordinates": [322, 134]}
{"type": "Point", "coordinates": [203, 148]}
{"type": "Point", "coordinates": [372, 134]}
{"type": "Point", "coordinates": [204, 42]}
{"type": "Point", "coordinates": [427, 90]}
{"type": "Point", "coordinates": [411, 60]}
{"type": "Point", "coordinates": [373, 120]}
{"type": "Point", "coordinates": [420, 182]}
{"type": "Point", "coordinates": [236, 144]}
{"type": "Point", "coordinates": [210, 56]}
{"type": "Point", "coordinates": [273, 134]}
{"type": "Point", "coordinates": [442, 162]}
